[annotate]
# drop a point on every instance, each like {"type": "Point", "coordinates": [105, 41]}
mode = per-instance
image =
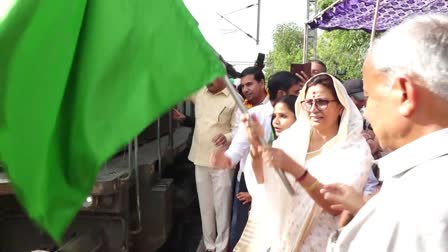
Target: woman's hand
{"type": "Point", "coordinates": [343, 197]}
{"type": "Point", "coordinates": [255, 132]}
{"type": "Point", "coordinates": [277, 158]}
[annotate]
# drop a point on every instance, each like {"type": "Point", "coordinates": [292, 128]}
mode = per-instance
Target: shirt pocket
{"type": "Point", "coordinates": [225, 115]}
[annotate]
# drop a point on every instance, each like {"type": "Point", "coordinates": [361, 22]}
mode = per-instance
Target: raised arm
{"type": "Point", "coordinates": [254, 133]}
{"type": "Point", "coordinates": [239, 147]}
{"type": "Point", "coordinates": [277, 158]}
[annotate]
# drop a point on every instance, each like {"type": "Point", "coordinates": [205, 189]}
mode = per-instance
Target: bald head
{"type": "Point", "coordinates": [405, 77]}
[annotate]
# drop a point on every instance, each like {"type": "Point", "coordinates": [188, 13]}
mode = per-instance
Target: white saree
{"type": "Point", "coordinates": [297, 223]}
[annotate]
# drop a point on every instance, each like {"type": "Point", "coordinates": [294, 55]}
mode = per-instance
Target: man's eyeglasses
{"type": "Point", "coordinates": [319, 104]}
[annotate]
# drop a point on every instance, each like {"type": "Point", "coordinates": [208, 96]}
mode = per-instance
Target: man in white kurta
{"type": "Point", "coordinates": [406, 79]}
{"type": "Point", "coordinates": [215, 111]}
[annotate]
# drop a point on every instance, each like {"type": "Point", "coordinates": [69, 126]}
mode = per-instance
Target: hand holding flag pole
{"type": "Point", "coordinates": [241, 106]}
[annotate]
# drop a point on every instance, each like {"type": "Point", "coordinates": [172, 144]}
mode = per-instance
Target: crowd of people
{"type": "Point", "coordinates": [365, 158]}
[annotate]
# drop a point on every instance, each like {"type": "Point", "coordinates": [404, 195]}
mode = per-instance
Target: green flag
{"type": "Point", "coordinates": [78, 80]}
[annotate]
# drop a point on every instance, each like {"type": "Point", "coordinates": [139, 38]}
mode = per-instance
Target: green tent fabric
{"type": "Point", "coordinates": [78, 80]}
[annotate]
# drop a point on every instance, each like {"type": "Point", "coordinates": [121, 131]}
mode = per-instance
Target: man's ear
{"type": "Point", "coordinates": [406, 92]}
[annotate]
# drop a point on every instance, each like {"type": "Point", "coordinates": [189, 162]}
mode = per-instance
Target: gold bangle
{"type": "Point", "coordinates": [312, 186]}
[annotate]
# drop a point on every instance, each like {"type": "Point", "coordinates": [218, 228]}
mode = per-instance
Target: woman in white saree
{"type": "Point", "coordinates": [323, 146]}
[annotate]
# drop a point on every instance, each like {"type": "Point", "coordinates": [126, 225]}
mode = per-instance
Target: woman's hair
{"type": "Point", "coordinates": [324, 80]}
{"type": "Point", "coordinates": [289, 101]}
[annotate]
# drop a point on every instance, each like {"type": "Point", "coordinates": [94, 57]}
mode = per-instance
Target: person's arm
{"type": "Point", "coordinates": [279, 159]}
{"type": "Point", "coordinates": [234, 124]}
{"type": "Point", "coordinates": [343, 197]}
{"type": "Point", "coordinates": [189, 122]}
{"type": "Point", "coordinates": [239, 147]}
{"type": "Point", "coordinates": [257, 165]}
{"type": "Point", "coordinates": [254, 132]}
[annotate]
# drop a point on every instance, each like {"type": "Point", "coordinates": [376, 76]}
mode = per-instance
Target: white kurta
{"type": "Point", "coordinates": [410, 213]}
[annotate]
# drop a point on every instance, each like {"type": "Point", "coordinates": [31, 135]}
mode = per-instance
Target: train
{"type": "Point", "coordinates": [130, 208]}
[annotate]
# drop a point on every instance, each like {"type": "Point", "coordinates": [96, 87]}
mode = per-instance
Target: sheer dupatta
{"type": "Point", "coordinates": [345, 158]}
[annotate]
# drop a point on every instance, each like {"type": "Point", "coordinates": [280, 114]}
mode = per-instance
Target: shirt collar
{"type": "Point", "coordinates": [413, 154]}
{"type": "Point", "coordinates": [249, 105]}
{"type": "Point", "coordinates": [225, 92]}
{"type": "Point", "coordinates": [266, 99]}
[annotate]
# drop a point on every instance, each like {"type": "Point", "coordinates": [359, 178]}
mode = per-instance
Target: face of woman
{"type": "Point", "coordinates": [322, 108]}
{"type": "Point", "coordinates": [283, 117]}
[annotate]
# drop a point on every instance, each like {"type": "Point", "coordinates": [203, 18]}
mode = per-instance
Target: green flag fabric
{"type": "Point", "coordinates": [78, 80]}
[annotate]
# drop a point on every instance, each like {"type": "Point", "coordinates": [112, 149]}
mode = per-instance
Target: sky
{"type": "Point", "coordinates": [235, 46]}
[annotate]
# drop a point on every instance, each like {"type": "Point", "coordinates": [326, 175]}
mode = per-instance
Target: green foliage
{"type": "Point", "coordinates": [288, 44]}
{"type": "Point", "coordinates": [323, 4]}
{"type": "Point", "coordinates": [343, 51]}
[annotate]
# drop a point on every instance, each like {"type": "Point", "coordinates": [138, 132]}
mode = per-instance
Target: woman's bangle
{"type": "Point", "coordinates": [312, 186]}
{"type": "Point", "coordinates": [302, 177]}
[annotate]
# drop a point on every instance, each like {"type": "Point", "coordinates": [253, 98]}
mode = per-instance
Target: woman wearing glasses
{"type": "Point", "coordinates": [323, 146]}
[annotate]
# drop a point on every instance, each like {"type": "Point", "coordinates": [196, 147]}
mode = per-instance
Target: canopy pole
{"type": "Point", "coordinates": [306, 34]}
{"type": "Point", "coordinates": [375, 19]}
{"type": "Point", "coordinates": [258, 22]}
{"type": "Point", "coordinates": [305, 44]}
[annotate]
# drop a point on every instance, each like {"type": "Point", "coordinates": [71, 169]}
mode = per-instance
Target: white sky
{"type": "Point", "coordinates": [235, 46]}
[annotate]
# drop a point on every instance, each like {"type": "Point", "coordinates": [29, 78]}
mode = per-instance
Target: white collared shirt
{"type": "Point", "coordinates": [240, 146]}
{"type": "Point", "coordinates": [410, 213]}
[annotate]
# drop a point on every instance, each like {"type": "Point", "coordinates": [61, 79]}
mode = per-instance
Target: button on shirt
{"type": "Point", "coordinates": [410, 213]}
{"type": "Point", "coordinates": [215, 114]}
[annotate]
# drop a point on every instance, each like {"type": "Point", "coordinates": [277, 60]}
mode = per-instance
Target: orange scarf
{"type": "Point", "coordinates": [249, 105]}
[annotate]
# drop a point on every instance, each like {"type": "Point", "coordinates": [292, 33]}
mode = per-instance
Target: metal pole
{"type": "Point", "coordinates": [239, 103]}
{"type": "Point", "coordinates": [159, 148]}
{"type": "Point", "coordinates": [375, 19]}
{"type": "Point", "coordinates": [315, 33]}
{"type": "Point", "coordinates": [258, 22]}
{"type": "Point", "coordinates": [130, 164]}
{"type": "Point", "coordinates": [305, 44]}
{"type": "Point", "coordinates": [170, 131]}
{"type": "Point", "coordinates": [306, 34]}
{"type": "Point", "coordinates": [137, 188]}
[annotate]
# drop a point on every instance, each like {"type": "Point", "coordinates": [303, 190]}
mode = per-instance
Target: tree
{"type": "Point", "coordinates": [343, 51]}
{"type": "Point", "coordinates": [288, 44]}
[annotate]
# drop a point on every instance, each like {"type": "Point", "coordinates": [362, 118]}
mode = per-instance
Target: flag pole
{"type": "Point", "coordinates": [375, 19]}
{"type": "Point", "coordinates": [258, 22]}
{"type": "Point", "coordinates": [239, 103]}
